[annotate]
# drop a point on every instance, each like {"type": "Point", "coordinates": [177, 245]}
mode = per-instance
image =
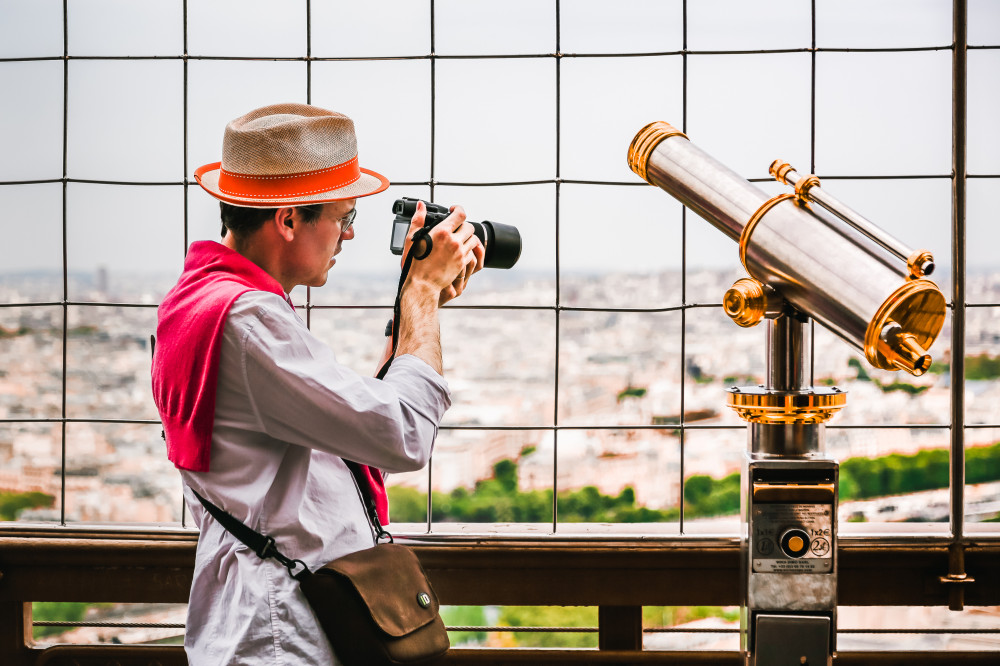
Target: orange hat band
{"type": "Point", "coordinates": [290, 185]}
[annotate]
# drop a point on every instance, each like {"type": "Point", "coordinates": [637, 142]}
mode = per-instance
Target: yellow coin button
{"type": "Point", "coordinates": [795, 544]}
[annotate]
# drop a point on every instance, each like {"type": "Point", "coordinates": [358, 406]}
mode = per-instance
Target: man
{"type": "Point", "coordinates": [258, 415]}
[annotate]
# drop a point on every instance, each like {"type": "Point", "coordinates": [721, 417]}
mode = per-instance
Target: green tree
{"type": "Point", "coordinates": [56, 611]}
{"type": "Point", "coordinates": [464, 616]}
{"type": "Point", "coordinates": [910, 389]}
{"type": "Point", "coordinates": [862, 476]}
{"type": "Point", "coordinates": [931, 469]}
{"type": "Point", "coordinates": [705, 496]}
{"type": "Point", "coordinates": [982, 367]}
{"type": "Point", "coordinates": [13, 333]}
{"type": "Point", "coordinates": [534, 506]}
{"type": "Point", "coordinates": [982, 463]}
{"type": "Point", "coordinates": [895, 474]}
{"type": "Point", "coordinates": [671, 616]}
{"type": "Point", "coordinates": [498, 499]}
{"type": "Point", "coordinates": [631, 392]}
{"type": "Point", "coordinates": [12, 504]}
{"type": "Point", "coordinates": [697, 488]}
{"type": "Point", "coordinates": [505, 472]}
{"type": "Point", "coordinates": [862, 375]}
{"type": "Point", "coordinates": [582, 506]}
{"type": "Point", "coordinates": [938, 368]}
{"type": "Point", "coordinates": [551, 616]}
{"type": "Point", "coordinates": [406, 505]}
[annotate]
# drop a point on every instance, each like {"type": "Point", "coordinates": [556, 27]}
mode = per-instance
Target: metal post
{"type": "Point", "coordinates": [620, 627]}
{"type": "Point", "coordinates": [957, 577]}
{"type": "Point", "coordinates": [790, 509]}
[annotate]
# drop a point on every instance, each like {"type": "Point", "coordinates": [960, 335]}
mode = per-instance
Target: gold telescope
{"type": "Point", "coordinates": [823, 258]}
{"type": "Point", "coordinates": [808, 256]}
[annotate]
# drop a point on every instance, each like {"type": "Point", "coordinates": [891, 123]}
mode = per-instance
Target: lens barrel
{"type": "Point", "coordinates": [502, 243]}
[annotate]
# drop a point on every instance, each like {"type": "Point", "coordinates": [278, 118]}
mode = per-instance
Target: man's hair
{"type": "Point", "coordinates": [244, 220]}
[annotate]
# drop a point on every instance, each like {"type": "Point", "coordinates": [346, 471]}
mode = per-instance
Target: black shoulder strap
{"type": "Point", "coordinates": [262, 545]}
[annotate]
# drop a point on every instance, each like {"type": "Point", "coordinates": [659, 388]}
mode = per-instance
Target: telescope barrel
{"type": "Point", "coordinates": [719, 195]}
{"type": "Point", "coordinates": [920, 263]}
{"type": "Point", "coordinates": [835, 274]}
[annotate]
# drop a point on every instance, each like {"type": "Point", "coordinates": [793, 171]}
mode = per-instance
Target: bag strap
{"type": "Point", "coordinates": [368, 500]}
{"type": "Point", "coordinates": [265, 547]}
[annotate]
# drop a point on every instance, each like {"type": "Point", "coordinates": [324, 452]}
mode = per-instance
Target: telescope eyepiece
{"type": "Point", "coordinates": [903, 351]}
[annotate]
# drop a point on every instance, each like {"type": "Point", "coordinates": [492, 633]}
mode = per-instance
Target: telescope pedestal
{"type": "Point", "coordinates": [789, 507]}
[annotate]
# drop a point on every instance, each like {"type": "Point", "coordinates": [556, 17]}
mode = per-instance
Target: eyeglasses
{"type": "Point", "coordinates": [348, 220]}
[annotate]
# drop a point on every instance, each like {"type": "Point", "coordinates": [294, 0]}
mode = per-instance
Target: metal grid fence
{"type": "Point", "coordinates": [958, 178]}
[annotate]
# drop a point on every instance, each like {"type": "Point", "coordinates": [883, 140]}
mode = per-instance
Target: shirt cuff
{"type": "Point", "coordinates": [421, 386]}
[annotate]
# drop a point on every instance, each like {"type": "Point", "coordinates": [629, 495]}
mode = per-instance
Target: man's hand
{"type": "Point", "coordinates": [440, 276]}
{"type": "Point", "coordinates": [456, 253]}
{"type": "Point", "coordinates": [473, 265]}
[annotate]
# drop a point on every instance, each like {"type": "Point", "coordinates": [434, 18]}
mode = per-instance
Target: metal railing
{"type": "Point", "coordinates": [619, 577]}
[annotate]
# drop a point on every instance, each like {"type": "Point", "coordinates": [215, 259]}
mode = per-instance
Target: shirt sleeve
{"type": "Point", "coordinates": [300, 394]}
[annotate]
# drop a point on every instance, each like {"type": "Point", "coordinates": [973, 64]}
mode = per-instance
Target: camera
{"type": "Point", "coordinates": [502, 241]}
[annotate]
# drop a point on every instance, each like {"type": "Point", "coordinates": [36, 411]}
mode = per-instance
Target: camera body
{"type": "Point", "coordinates": [502, 241]}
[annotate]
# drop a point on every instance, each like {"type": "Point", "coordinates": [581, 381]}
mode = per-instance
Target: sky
{"type": "Point", "coordinates": [495, 119]}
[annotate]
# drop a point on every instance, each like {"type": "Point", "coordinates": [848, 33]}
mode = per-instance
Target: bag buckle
{"type": "Point", "coordinates": [267, 549]}
{"type": "Point", "coordinates": [290, 565]}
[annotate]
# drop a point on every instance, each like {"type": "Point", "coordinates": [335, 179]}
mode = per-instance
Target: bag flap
{"type": "Point", "coordinates": [392, 584]}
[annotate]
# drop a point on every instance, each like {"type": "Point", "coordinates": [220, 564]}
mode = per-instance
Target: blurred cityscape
{"type": "Point", "coordinates": [623, 382]}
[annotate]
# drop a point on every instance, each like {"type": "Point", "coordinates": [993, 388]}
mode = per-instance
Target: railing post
{"type": "Point", "coordinates": [620, 627]}
{"type": "Point", "coordinates": [957, 577]}
{"type": "Point", "coordinates": [15, 631]}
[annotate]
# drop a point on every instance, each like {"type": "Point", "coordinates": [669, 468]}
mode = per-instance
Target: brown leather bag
{"type": "Point", "coordinates": [377, 607]}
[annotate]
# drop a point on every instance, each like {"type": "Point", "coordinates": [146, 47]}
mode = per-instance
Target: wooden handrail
{"type": "Point", "coordinates": [617, 576]}
{"type": "Point", "coordinates": [174, 656]}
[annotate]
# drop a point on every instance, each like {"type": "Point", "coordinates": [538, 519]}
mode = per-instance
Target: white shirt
{"type": "Point", "coordinates": [286, 413]}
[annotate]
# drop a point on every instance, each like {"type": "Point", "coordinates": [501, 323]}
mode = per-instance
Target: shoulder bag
{"type": "Point", "coordinates": [376, 606]}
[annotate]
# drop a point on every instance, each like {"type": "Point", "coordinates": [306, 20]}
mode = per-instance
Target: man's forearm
{"type": "Point", "coordinates": [419, 329]}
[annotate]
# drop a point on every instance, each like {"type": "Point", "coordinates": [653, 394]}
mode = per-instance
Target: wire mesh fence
{"type": "Point", "coordinates": [554, 58]}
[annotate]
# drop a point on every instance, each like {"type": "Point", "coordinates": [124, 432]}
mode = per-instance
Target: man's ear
{"type": "Point", "coordinates": [284, 223]}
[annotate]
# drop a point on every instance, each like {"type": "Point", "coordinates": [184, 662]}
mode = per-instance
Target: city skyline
{"type": "Point", "coordinates": [500, 379]}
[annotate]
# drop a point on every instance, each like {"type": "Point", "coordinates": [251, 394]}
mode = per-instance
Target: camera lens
{"type": "Point", "coordinates": [502, 241]}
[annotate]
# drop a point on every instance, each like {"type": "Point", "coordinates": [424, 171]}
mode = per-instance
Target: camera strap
{"type": "Point", "coordinates": [421, 234]}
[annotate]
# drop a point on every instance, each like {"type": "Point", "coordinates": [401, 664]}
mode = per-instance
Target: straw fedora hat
{"type": "Point", "coordinates": [289, 155]}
